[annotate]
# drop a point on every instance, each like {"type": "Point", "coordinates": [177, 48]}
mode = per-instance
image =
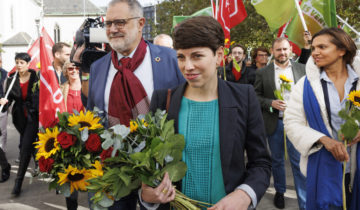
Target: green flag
{"type": "Point", "coordinates": [203, 12]}
{"type": "Point", "coordinates": [317, 14]}
{"type": "Point", "coordinates": [275, 12]}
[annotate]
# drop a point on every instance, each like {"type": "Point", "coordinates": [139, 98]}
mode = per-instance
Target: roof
{"type": "Point", "coordinates": [19, 39]}
{"type": "Point", "coordinates": [70, 7]}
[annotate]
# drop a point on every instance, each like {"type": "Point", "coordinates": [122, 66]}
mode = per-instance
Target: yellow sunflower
{"type": "Point", "coordinates": [354, 97]}
{"type": "Point", "coordinates": [98, 169]}
{"type": "Point", "coordinates": [47, 144]}
{"type": "Point", "coordinates": [133, 126]}
{"type": "Point", "coordinates": [284, 78]}
{"type": "Point", "coordinates": [144, 123]}
{"type": "Point", "coordinates": [88, 120]}
{"type": "Point", "coordinates": [76, 177]}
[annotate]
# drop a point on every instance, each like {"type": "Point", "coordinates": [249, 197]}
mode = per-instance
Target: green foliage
{"type": "Point", "coordinates": [351, 115]}
{"type": "Point", "coordinates": [151, 149]}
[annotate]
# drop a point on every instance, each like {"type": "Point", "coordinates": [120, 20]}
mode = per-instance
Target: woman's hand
{"type": "Point", "coordinates": [3, 101]}
{"type": "Point", "coordinates": [237, 200]}
{"type": "Point", "coordinates": [163, 193]}
{"type": "Point", "coordinates": [336, 148]}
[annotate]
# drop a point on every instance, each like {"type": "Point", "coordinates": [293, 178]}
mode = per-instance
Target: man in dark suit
{"type": "Point", "coordinates": [122, 82]}
{"type": "Point", "coordinates": [61, 54]}
{"type": "Point", "coordinates": [267, 81]}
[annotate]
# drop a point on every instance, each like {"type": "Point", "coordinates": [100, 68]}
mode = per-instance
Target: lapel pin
{"type": "Point", "coordinates": [157, 59]}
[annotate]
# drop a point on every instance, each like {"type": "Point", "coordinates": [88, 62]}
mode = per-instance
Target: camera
{"type": "Point", "coordinates": [88, 43]}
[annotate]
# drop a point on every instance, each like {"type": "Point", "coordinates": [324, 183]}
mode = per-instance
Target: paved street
{"type": "Point", "coordinates": [35, 194]}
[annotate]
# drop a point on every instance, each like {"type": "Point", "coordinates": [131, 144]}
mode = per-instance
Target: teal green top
{"type": "Point", "coordinates": [199, 123]}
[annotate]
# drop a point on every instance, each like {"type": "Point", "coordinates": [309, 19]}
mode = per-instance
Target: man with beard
{"type": "Point", "coordinates": [61, 53]}
{"type": "Point", "coordinates": [267, 80]}
{"type": "Point", "coordinates": [246, 75]}
{"type": "Point", "coordinates": [122, 82]}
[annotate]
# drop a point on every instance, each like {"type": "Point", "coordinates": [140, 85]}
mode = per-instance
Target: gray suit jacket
{"type": "Point", "coordinates": [264, 88]}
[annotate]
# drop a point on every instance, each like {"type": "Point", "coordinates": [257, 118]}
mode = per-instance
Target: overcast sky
{"type": "Point", "coordinates": [105, 2]}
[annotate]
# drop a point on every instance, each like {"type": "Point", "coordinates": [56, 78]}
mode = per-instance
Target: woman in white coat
{"type": "Point", "coordinates": [312, 121]}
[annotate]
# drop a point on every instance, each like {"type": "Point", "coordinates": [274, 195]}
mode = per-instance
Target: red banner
{"type": "Point", "coordinates": [51, 99]}
{"type": "Point", "coordinates": [231, 13]}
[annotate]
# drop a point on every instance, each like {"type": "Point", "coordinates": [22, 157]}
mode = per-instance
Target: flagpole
{"type": "Point", "coordinates": [348, 25]}
{"type": "Point", "coordinates": [301, 15]}
{"type": "Point", "coordinates": [216, 9]}
{"type": "Point", "coordinates": [212, 8]}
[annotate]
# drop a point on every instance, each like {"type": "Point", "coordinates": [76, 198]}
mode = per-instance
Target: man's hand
{"type": "Point", "coordinates": [163, 193]}
{"type": "Point", "coordinates": [336, 148]}
{"type": "Point", "coordinates": [237, 200]}
{"type": "Point", "coordinates": [279, 105]}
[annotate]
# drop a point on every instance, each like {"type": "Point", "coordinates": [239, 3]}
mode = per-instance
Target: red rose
{"type": "Point", "coordinates": [45, 165]}
{"type": "Point", "coordinates": [66, 140]}
{"type": "Point", "coordinates": [106, 153]}
{"type": "Point", "coordinates": [93, 144]}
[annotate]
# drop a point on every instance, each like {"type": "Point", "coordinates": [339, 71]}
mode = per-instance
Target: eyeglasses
{"type": "Point", "coordinates": [118, 22]}
{"type": "Point", "coordinates": [73, 68]}
{"type": "Point", "coordinates": [263, 55]}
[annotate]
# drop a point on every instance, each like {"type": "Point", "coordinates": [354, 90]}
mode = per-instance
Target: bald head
{"type": "Point", "coordinates": [163, 40]}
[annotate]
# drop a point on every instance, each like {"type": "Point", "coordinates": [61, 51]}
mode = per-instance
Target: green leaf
{"type": "Point", "coordinates": [344, 114]}
{"type": "Point", "coordinates": [278, 95]}
{"type": "Point", "coordinates": [349, 129]}
{"type": "Point", "coordinates": [106, 202]}
{"type": "Point", "coordinates": [168, 129]}
{"type": "Point", "coordinates": [176, 170]}
{"type": "Point", "coordinates": [226, 51]}
{"type": "Point", "coordinates": [236, 65]}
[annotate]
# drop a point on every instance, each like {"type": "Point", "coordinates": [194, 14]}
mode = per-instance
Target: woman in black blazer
{"type": "Point", "coordinates": [25, 112]}
{"type": "Point", "coordinates": [220, 121]}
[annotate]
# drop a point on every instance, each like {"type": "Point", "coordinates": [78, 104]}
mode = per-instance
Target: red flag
{"type": "Point", "coordinates": [231, 13]}
{"type": "Point", "coordinates": [51, 99]}
{"type": "Point", "coordinates": [281, 33]}
{"type": "Point", "coordinates": [34, 51]}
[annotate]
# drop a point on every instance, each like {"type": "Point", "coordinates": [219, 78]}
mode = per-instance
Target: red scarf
{"type": "Point", "coordinates": [127, 98]}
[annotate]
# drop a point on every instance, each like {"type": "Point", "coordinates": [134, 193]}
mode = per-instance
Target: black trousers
{"type": "Point", "coordinates": [3, 161]}
{"type": "Point", "coordinates": [27, 149]}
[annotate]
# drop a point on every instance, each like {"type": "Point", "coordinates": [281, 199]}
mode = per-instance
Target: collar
{"type": "Point", "coordinates": [352, 76]}
{"type": "Point", "coordinates": [276, 67]}
{"type": "Point", "coordinates": [119, 55]}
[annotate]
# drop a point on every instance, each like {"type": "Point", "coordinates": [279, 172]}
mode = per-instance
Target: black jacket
{"type": "Point", "coordinates": [247, 74]}
{"type": "Point", "coordinates": [31, 103]}
{"type": "Point", "coordinates": [241, 128]}
{"type": "Point", "coordinates": [3, 75]}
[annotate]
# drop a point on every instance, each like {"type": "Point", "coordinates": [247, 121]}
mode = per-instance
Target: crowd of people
{"type": "Point", "coordinates": [237, 131]}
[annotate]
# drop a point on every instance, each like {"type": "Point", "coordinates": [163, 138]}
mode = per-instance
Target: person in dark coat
{"type": "Point", "coordinates": [246, 75]}
{"type": "Point", "coordinates": [25, 112]}
{"type": "Point", "coordinates": [220, 120]}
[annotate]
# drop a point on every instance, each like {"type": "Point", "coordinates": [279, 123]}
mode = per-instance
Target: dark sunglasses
{"type": "Point", "coordinates": [73, 68]}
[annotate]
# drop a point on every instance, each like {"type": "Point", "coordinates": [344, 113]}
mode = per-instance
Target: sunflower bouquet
{"type": "Point", "coordinates": [349, 130]}
{"type": "Point", "coordinates": [284, 85]}
{"type": "Point", "coordinates": [68, 152]}
{"type": "Point", "coordinates": [140, 153]}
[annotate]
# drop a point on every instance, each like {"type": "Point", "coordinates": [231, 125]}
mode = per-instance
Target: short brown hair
{"type": "Point", "coordinates": [199, 31]}
{"type": "Point", "coordinates": [237, 45]}
{"type": "Point", "coordinates": [58, 47]}
{"type": "Point", "coordinates": [256, 51]}
{"type": "Point", "coordinates": [341, 40]}
{"type": "Point", "coordinates": [279, 39]}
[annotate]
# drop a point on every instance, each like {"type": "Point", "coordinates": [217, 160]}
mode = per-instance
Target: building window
{"type": "Point", "coordinates": [56, 33]}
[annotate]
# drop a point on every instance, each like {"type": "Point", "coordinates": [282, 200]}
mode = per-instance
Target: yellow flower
{"type": "Point", "coordinates": [47, 144]}
{"type": "Point", "coordinates": [233, 42]}
{"type": "Point", "coordinates": [284, 78]}
{"type": "Point", "coordinates": [133, 126]}
{"type": "Point", "coordinates": [98, 169]}
{"type": "Point", "coordinates": [226, 40]}
{"type": "Point", "coordinates": [144, 123]}
{"type": "Point", "coordinates": [354, 97]}
{"type": "Point", "coordinates": [76, 177]}
{"type": "Point", "coordinates": [88, 120]}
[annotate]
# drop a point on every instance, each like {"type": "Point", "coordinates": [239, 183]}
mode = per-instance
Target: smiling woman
{"type": "Point", "coordinates": [220, 120]}
{"type": "Point", "coordinates": [312, 121]}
